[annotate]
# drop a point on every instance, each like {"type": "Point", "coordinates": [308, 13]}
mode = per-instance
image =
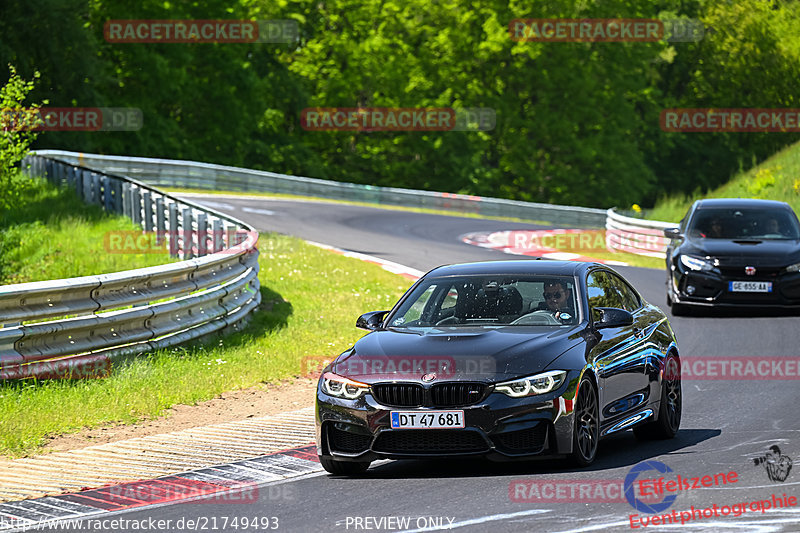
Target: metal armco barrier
{"type": "Point", "coordinates": [636, 236]}
{"type": "Point", "coordinates": [107, 317]}
{"type": "Point", "coordinates": [190, 174]}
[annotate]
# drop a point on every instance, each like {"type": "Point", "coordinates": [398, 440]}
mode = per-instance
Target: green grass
{"type": "Point", "coordinates": [312, 298]}
{"type": "Point", "coordinates": [777, 178]}
{"type": "Point", "coordinates": [52, 235]}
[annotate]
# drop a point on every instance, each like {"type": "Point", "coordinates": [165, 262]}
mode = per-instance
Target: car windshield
{"type": "Point", "coordinates": [489, 301]}
{"type": "Point", "coordinates": [744, 224]}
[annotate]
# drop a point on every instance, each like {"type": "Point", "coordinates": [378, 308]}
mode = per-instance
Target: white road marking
{"type": "Point", "coordinates": [258, 211]}
{"type": "Point", "coordinates": [218, 205]}
{"type": "Point", "coordinates": [479, 520]}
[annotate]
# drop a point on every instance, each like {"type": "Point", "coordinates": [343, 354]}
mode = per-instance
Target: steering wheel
{"type": "Point", "coordinates": [542, 317]}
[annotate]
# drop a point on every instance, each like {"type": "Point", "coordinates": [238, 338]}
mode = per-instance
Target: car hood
{"type": "Point", "coordinates": [765, 252]}
{"type": "Point", "coordinates": [455, 354]}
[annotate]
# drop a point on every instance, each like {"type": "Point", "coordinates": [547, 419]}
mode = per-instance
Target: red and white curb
{"type": "Point", "coordinates": [535, 243]}
{"type": "Point", "coordinates": [235, 483]}
{"type": "Point", "coordinates": [395, 268]}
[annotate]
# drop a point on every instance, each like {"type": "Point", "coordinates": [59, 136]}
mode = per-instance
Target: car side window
{"type": "Point", "coordinates": [629, 298]}
{"type": "Point", "coordinates": [596, 294]}
{"type": "Point", "coordinates": [602, 291]}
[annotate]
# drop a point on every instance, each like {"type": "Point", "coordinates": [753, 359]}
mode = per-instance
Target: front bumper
{"type": "Point", "coordinates": [711, 288]}
{"type": "Point", "coordinates": [498, 427]}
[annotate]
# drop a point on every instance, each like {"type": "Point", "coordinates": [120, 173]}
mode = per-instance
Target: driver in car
{"type": "Point", "coordinates": [558, 300]}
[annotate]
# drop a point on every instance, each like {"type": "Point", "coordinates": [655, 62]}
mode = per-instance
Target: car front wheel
{"type": "Point", "coordinates": [586, 433]}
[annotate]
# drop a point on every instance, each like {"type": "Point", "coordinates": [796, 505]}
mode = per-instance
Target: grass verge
{"type": "Point", "coordinates": [774, 179]}
{"type": "Point", "coordinates": [53, 235]}
{"type": "Point", "coordinates": [311, 298]}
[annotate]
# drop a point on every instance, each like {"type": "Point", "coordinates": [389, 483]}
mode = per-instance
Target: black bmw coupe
{"type": "Point", "coordinates": [734, 252]}
{"type": "Point", "coordinates": [507, 360]}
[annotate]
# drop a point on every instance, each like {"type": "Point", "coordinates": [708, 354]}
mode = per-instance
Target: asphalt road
{"type": "Point", "coordinates": [726, 423]}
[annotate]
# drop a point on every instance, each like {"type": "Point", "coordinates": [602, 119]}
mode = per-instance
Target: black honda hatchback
{"type": "Point", "coordinates": [734, 252]}
{"type": "Point", "coordinates": [503, 359]}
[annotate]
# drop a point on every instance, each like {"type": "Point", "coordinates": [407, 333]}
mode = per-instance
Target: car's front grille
{"type": "Point", "coordinates": [734, 268]}
{"type": "Point", "coordinates": [399, 394]}
{"type": "Point", "coordinates": [738, 273]}
{"type": "Point", "coordinates": [531, 440]}
{"type": "Point", "coordinates": [453, 394]}
{"type": "Point", "coordinates": [430, 441]}
{"type": "Point", "coordinates": [347, 441]}
{"type": "Point", "coordinates": [456, 394]}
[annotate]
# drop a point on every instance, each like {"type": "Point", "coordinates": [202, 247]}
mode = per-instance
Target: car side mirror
{"type": "Point", "coordinates": [672, 233]}
{"type": "Point", "coordinates": [371, 321]}
{"type": "Point", "coordinates": [612, 317]}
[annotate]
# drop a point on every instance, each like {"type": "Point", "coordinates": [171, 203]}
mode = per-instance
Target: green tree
{"type": "Point", "coordinates": [16, 134]}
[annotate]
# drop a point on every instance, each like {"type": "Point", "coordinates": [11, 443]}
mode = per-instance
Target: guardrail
{"type": "Point", "coordinates": [113, 316]}
{"type": "Point", "coordinates": [190, 174]}
{"type": "Point", "coordinates": [636, 236]}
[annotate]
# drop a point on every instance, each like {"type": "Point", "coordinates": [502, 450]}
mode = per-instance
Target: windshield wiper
{"type": "Point", "coordinates": [404, 330]}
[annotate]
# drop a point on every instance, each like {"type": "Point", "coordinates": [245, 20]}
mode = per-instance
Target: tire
{"type": "Point", "coordinates": [343, 468]}
{"type": "Point", "coordinates": [586, 430]}
{"type": "Point", "coordinates": [669, 413]}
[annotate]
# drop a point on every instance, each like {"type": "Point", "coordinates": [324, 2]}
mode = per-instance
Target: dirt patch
{"type": "Point", "coordinates": [228, 407]}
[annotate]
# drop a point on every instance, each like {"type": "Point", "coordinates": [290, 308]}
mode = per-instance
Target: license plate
{"type": "Point", "coordinates": [750, 286]}
{"type": "Point", "coordinates": [427, 419]}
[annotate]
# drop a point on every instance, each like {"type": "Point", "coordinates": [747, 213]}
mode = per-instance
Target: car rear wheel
{"type": "Point", "coordinates": [343, 468]}
{"type": "Point", "coordinates": [669, 414]}
{"type": "Point", "coordinates": [586, 433]}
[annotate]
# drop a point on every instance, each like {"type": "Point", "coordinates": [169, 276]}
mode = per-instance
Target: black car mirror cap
{"type": "Point", "coordinates": [371, 321]}
{"type": "Point", "coordinates": [612, 317]}
{"type": "Point", "coordinates": [672, 233]}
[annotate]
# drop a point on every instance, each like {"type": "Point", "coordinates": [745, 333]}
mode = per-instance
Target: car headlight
{"type": "Point", "coordinates": [342, 387]}
{"type": "Point", "coordinates": [696, 263]}
{"type": "Point", "coordinates": [793, 268]}
{"type": "Point", "coordinates": [530, 386]}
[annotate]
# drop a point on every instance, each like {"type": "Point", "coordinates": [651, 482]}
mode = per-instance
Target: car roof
{"type": "Point", "coordinates": [741, 202]}
{"type": "Point", "coordinates": [546, 267]}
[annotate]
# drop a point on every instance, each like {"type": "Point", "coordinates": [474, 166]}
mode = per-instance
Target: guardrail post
{"type": "Point", "coordinates": [119, 205]}
{"type": "Point", "coordinates": [202, 234]}
{"type": "Point", "coordinates": [126, 199]}
{"type": "Point", "coordinates": [96, 189]}
{"type": "Point", "coordinates": [161, 226]}
{"type": "Point", "coordinates": [217, 244]}
{"type": "Point", "coordinates": [108, 198]}
{"type": "Point", "coordinates": [174, 247]}
{"type": "Point", "coordinates": [136, 205]}
{"type": "Point", "coordinates": [186, 224]}
{"type": "Point", "coordinates": [88, 192]}
{"type": "Point", "coordinates": [87, 186]}
{"type": "Point", "coordinates": [76, 181]}
{"type": "Point", "coordinates": [148, 210]}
